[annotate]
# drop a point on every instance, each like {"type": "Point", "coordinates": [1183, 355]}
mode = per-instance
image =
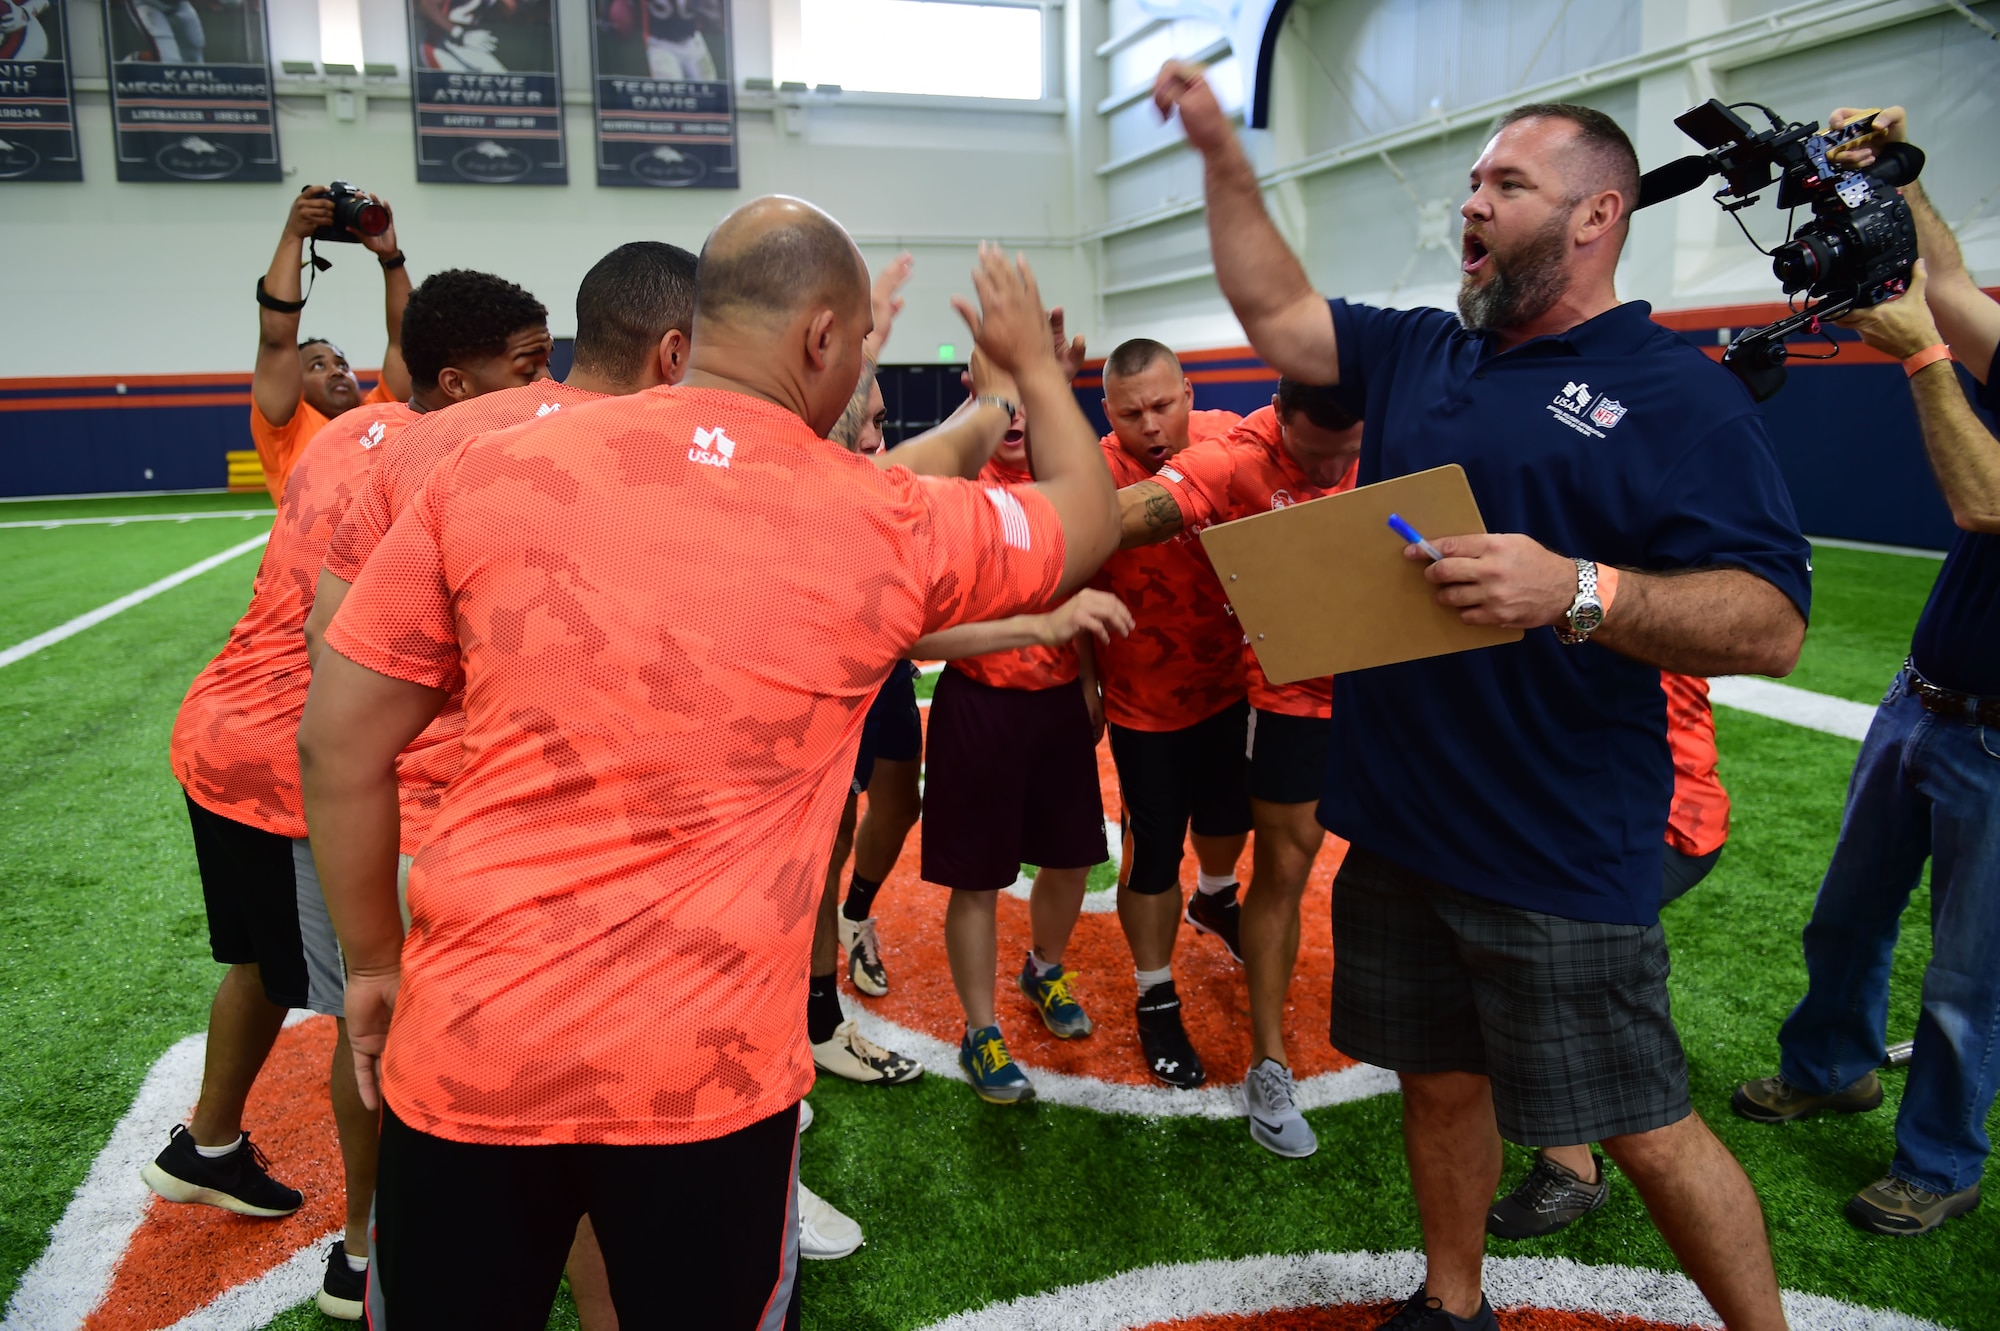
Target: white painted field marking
{"type": "Point", "coordinates": [103, 612]}
{"type": "Point", "coordinates": [1800, 707]}
{"type": "Point", "coordinates": [50, 524]}
{"type": "Point", "coordinates": [1914, 552]}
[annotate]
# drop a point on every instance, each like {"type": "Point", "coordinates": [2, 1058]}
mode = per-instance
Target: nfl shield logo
{"type": "Point", "coordinates": [1608, 412]}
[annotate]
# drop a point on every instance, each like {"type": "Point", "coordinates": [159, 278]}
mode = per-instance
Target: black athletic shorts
{"type": "Point", "coordinates": [265, 908]}
{"type": "Point", "coordinates": [1198, 776]}
{"type": "Point", "coordinates": [1011, 780]}
{"type": "Point", "coordinates": [894, 728]}
{"type": "Point", "coordinates": [1568, 1018]}
{"type": "Point", "coordinates": [698, 1235]}
{"type": "Point", "coordinates": [1287, 757]}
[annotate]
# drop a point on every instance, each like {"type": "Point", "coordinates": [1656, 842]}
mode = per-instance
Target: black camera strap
{"type": "Point", "coordinates": [271, 302]}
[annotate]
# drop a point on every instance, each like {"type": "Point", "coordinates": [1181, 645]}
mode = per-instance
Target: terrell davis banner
{"type": "Point", "coordinates": [666, 105]}
{"type": "Point", "coordinates": [191, 90]}
{"type": "Point", "coordinates": [37, 113]}
{"type": "Point", "coordinates": [489, 100]}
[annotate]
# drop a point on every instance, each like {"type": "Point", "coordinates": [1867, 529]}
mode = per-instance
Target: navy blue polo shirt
{"type": "Point", "coordinates": [1537, 774]}
{"type": "Point", "coordinates": [1957, 643]}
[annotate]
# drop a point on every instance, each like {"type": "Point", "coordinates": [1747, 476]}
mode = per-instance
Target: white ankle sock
{"type": "Point", "coordinates": [1043, 969]}
{"type": "Point", "coordinates": [1148, 979]}
{"type": "Point", "coordinates": [355, 1264]}
{"type": "Point", "coordinates": [217, 1152]}
{"type": "Point", "coordinates": [1208, 885]}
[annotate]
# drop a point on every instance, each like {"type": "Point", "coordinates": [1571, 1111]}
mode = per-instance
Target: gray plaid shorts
{"type": "Point", "coordinates": [1567, 1018]}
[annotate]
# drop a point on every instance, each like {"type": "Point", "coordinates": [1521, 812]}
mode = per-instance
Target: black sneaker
{"type": "Point", "coordinates": [1421, 1312]}
{"type": "Point", "coordinates": [239, 1182]}
{"type": "Point", "coordinates": [1218, 913]}
{"type": "Point", "coordinates": [1169, 1056]}
{"type": "Point", "coordinates": [344, 1290]}
{"type": "Point", "coordinates": [1551, 1198]}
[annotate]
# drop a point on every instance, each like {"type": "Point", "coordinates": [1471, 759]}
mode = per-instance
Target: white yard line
{"type": "Point", "coordinates": [1799, 707]}
{"type": "Point", "coordinates": [50, 524]}
{"type": "Point", "coordinates": [103, 612]}
{"type": "Point", "coordinates": [1914, 552]}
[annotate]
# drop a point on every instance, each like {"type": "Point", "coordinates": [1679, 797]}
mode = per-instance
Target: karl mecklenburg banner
{"type": "Point", "coordinates": [191, 91]}
{"type": "Point", "coordinates": [488, 96]}
{"type": "Point", "coordinates": [666, 102]}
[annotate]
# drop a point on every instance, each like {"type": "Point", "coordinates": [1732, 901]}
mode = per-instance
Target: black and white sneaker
{"type": "Point", "coordinates": [1164, 1041]}
{"type": "Point", "coordinates": [1549, 1199]}
{"type": "Point", "coordinates": [345, 1290]}
{"type": "Point", "coordinates": [239, 1182]}
{"type": "Point", "coordinates": [1421, 1312]}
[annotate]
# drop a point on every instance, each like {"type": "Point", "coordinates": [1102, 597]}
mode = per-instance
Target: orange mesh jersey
{"type": "Point", "coordinates": [1183, 662]}
{"type": "Point", "coordinates": [279, 446]}
{"type": "Point", "coordinates": [1698, 820]}
{"type": "Point", "coordinates": [1248, 473]}
{"type": "Point", "coordinates": [427, 765]}
{"type": "Point", "coordinates": [1020, 667]}
{"type": "Point", "coordinates": [670, 612]}
{"type": "Point", "coordinates": [235, 742]}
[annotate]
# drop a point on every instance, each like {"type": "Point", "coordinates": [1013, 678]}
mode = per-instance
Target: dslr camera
{"type": "Point", "coordinates": [1856, 251]}
{"type": "Point", "coordinates": [352, 211]}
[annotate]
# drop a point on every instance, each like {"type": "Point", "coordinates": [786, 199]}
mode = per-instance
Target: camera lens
{"type": "Point", "coordinates": [1800, 263]}
{"type": "Point", "coordinates": [360, 214]}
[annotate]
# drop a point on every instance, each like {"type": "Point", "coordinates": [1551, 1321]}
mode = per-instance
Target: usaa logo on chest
{"type": "Point", "coordinates": [1586, 412]}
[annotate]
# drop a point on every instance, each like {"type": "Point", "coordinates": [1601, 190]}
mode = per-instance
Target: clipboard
{"type": "Point", "coordinates": [1322, 588]}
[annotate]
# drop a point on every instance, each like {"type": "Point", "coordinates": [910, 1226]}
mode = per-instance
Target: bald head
{"type": "Point", "coordinates": [773, 260]}
{"type": "Point", "coordinates": [1594, 153]}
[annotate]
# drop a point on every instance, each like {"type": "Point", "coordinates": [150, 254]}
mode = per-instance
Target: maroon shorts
{"type": "Point", "coordinates": [1010, 778]}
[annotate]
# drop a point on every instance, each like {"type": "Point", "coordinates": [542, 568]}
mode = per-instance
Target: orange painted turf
{"type": "Point", "coordinates": [1364, 1317]}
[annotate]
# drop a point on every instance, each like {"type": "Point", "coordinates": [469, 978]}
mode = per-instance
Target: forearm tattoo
{"type": "Point", "coordinates": [1160, 511]}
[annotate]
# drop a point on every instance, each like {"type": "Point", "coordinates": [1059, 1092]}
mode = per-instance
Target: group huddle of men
{"type": "Point", "coordinates": [545, 730]}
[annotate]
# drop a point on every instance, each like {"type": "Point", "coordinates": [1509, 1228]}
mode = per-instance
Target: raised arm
{"type": "Point", "coordinates": [278, 383]}
{"type": "Point", "coordinates": [964, 442]}
{"type": "Point", "coordinates": [1098, 614]}
{"type": "Point", "coordinates": [395, 295]}
{"type": "Point", "coordinates": [1287, 321]}
{"type": "Point", "coordinates": [1010, 327]}
{"type": "Point", "coordinates": [1147, 515]}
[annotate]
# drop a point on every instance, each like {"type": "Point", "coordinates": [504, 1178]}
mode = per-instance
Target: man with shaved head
{"type": "Point", "coordinates": [1496, 920]}
{"type": "Point", "coordinates": [667, 612]}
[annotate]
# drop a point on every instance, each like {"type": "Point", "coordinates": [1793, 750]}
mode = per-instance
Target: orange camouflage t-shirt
{"type": "Point", "coordinates": [1698, 819]}
{"type": "Point", "coordinates": [1019, 667]}
{"type": "Point", "coordinates": [1246, 473]}
{"type": "Point", "coordinates": [1183, 661]}
{"type": "Point", "coordinates": [669, 612]}
{"type": "Point", "coordinates": [279, 446]}
{"type": "Point", "coordinates": [431, 760]}
{"type": "Point", "coordinates": [235, 742]}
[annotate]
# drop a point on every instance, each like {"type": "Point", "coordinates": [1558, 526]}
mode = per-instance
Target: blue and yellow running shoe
{"type": "Point", "coordinates": [994, 1075]}
{"type": "Point", "coordinates": [1052, 996]}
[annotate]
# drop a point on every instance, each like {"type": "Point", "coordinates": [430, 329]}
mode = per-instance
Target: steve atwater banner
{"type": "Point", "coordinates": [191, 90]}
{"type": "Point", "coordinates": [489, 100]}
{"type": "Point", "coordinates": [666, 103]}
{"type": "Point", "coordinates": [37, 113]}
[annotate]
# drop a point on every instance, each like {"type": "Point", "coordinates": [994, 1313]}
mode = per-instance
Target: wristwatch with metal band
{"type": "Point", "coordinates": [995, 400]}
{"type": "Point", "coordinates": [1586, 612]}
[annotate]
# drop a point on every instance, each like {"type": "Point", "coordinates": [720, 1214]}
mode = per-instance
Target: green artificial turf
{"type": "Point", "coordinates": [103, 965]}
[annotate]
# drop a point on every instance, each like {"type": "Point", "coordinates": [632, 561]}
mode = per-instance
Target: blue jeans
{"type": "Point", "coordinates": [1924, 785]}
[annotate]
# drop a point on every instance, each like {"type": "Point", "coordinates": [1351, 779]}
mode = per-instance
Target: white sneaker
{"type": "Point", "coordinates": [805, 1115]}
{"type": "Point", "coordinates": [1275, 1121]}
{"type": "Point", "coordinates": [824, 1233]}
{"type": "Point", "coordinates": [850, 1054]}
{"type": "Point", "coordinates": [864, 955]}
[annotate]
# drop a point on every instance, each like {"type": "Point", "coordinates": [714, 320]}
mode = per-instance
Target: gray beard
{"type": "Point", "coordinates": [1523, 287]}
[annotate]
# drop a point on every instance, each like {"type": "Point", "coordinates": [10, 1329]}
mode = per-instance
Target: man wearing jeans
{"type": "Point", "coordinates": [1927, 784]}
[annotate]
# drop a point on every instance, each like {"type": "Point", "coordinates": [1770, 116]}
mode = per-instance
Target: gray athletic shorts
{"type": "Point", "coordinates": [1567, 1018]}
{"type": "Point", "coordinates": [326, 971]}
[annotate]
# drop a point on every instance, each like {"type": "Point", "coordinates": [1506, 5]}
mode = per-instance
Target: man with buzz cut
{"type": "Point", "coordinates": [235, 752]}
{"type": "Point", "coordinates": [667, 612]}
{"type": "Point", "coordinates": [1498, 932]}
{"type": "Point", "coordinates": [1301, 447]}
{"type": "Point", "coordinates": [298, 386]}
{"type": "Point", "coordinates": [1174, 701]}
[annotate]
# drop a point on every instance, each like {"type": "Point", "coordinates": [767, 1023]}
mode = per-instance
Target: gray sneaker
{"type": "Point", "coordinates": [1892, 1206]}
{"type": "Point", "coordinates": [1275, 1121]}
{"type": "Point", "coordinates": [1775, 1100]}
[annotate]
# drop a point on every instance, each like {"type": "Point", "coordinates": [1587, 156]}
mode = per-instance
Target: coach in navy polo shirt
{"type": "Point", "coordinates": [1496, 919]}
{"type": "Point", "coordinates": [1927, 784]}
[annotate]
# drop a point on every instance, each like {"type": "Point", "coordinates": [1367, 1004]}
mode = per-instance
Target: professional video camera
{"type": "Point", "coordinates": [1858, 249]}
{"type": "Point", "coordinates": [352, 211]}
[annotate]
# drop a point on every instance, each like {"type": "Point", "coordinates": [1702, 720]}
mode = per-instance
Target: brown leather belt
{"type": "Point", "coordinates": [1949, 702]}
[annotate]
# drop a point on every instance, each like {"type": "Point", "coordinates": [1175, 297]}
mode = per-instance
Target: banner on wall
{"type": "Point", "coordinates": [191, 91]}
{"type": "Point", "coordinates": [666, 100]}
{"type": "Point", "coordinates": [37, 110]}
{"type": "Point", "coordinates": [488, 95]}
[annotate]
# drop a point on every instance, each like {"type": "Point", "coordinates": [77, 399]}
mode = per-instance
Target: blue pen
{"type": "Point", "coordinates": [1410, 534]}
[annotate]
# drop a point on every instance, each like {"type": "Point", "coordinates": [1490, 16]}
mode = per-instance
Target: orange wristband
{"type": "Point", "coordinates": [1930, 355]}
{"type": "Point", "coordinates": [1607, 586]}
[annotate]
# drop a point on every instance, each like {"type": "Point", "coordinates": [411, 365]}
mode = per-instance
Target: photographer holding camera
{"type": "Point", "coordinates": [1927, 784]}
{"type": "Point", "coordinates": [298, 386]}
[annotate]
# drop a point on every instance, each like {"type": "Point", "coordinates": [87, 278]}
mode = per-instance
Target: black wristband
{"type": "Point", "coordinates": [271, 302]}
{"type": "Point", "coordinates": [396, 260]}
